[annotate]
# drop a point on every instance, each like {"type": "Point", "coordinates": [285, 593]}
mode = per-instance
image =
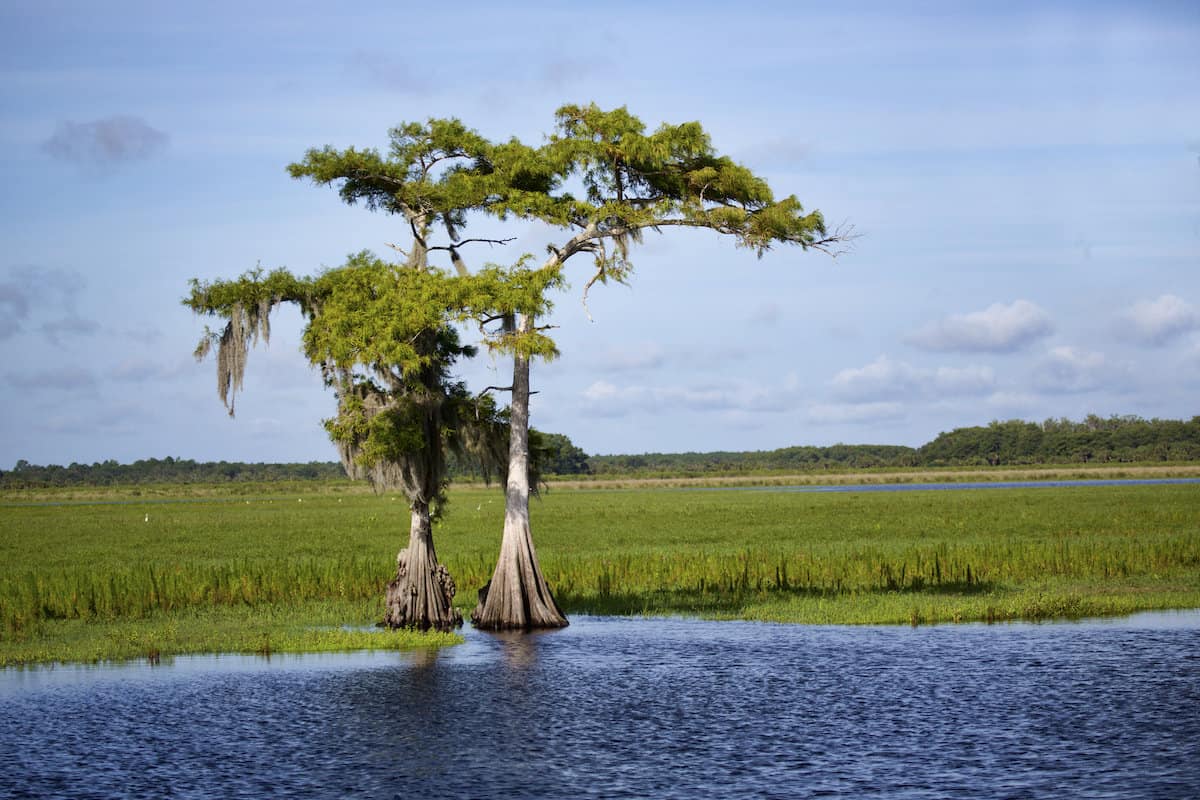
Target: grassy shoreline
{"type": "Point", "coordinates": [133, 577]}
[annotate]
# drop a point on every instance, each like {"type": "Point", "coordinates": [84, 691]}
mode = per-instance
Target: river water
{"type": "Point", "coordinates": [627, 708]}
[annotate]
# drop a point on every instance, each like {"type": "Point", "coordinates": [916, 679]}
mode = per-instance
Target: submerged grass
{"type": "Point", "coordinates": [223, 570]}
{"type": "Point", "coordinates": [262, 630]}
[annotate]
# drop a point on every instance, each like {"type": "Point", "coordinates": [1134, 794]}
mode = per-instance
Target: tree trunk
{"type": "Point", "coordinates": [422, 593]}
{"type": "Point", "coordinates": [517, 596]}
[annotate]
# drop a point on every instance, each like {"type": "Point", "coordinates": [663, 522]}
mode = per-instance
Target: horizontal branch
{"type": "Point", "coordinates": [460, 243]}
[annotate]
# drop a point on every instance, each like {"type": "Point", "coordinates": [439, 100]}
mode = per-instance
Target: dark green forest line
{"type": "Point", "coordinates": [1094, 440]}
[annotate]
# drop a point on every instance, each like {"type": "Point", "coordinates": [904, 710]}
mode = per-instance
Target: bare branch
{"type": "Point", "coordinates": [837, 243]}
{"type": "Point", "coordinates": [473, 241]}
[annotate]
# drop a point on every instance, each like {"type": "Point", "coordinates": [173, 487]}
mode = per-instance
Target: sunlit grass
{"type": "Point", "coordinates": [68, 573]}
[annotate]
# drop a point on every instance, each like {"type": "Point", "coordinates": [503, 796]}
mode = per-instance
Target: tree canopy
{"type": "Point", "coordinates": [382, 333]}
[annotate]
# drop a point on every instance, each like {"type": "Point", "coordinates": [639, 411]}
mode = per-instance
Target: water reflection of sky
{"type": "Point", "coordinates": [617, 707]}
{"type": "Point", "coordinates": [521, 650]}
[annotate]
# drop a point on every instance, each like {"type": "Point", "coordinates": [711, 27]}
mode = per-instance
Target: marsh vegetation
{"type": "Point", "coordinates": [133, 578]}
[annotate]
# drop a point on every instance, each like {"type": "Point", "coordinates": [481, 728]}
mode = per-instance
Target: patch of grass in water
{"type": "Point", "coordinates": [265, 630]}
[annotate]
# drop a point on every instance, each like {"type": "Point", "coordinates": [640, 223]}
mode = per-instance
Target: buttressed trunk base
{"type": "Point", "coordinates": [517, 597]}
{"type": "Point", "coordinates": [422, 593]}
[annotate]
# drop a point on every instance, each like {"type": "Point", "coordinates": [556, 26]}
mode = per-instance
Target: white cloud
{"type": "Point", "coordinates": [886, 380]}
{"type": "Point", "coordinates": [998, 328]}
{"type": "Point", "coordinates": [1012, 401]}
{"type": "Point", "coordinates": [625, 360]}
{"type": "Point", "coordinates": [1070, 369]}
{"type": "Point", "coordinates": [963, 381]}
{"type": "Point", "coordinates": [855, 413]}
{"type": "Point", "coordinates": [609, 400]}
{"type": "Point", "coordinates": [882, 378]}
{"type": "Point", "coordinates": [1155, 322]}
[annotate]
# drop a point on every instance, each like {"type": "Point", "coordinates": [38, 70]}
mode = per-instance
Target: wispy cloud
{"type": "Point", "coordinates": [568, 72]}
{"type": "Point", "coordinates": [607, 399]}
{"type": "Point", "coordinates": [885, 379]}
{"type": "Point", "coordinates": [787, 151]}
{"type": "Point", "coordinates": [14, 307]}
{"type": "Point", "coordinates": [141, 370]}
{"type": "Point", "coordinates": [998, 328]}
{"type": "Point", "coordinates": [55, 330]}
{"type": "Point", "coordinates": [27, 290]}
{"type": "Point", "coordinates": [855, 413]}
{"type": "Point", "coordinates": [67, 379]}
{"type": "Point", "coordinates": [105, 143]}
{"type": "Point", "coordinates": [115, 418]}
{"type": "Point", "coordinates": [1067, 370]}
{"type": "Point", "coordinates": [386, 71]}
{"type": "Point", "coordinates": [1157, 322]}
{"type": "Point", "coordinates": [766, 314]}
{"type": "Point", "coordinates": [621, 359]}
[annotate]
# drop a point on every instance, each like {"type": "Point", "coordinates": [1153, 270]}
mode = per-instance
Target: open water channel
{"type": "Point", "coordinates": [623, 708]}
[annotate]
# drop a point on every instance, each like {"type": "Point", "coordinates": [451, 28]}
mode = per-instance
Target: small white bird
{"type": "Point", "coordinates": [147, 518]}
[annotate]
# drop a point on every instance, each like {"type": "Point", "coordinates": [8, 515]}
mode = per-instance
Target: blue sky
{"type": "Point", "coordinates": [1025, 177]}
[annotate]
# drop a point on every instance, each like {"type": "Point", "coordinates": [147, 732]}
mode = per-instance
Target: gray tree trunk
{"type": "Point", "coordinates": [517, 596]}
{"type": "Point", "coordinates": [422, 593]}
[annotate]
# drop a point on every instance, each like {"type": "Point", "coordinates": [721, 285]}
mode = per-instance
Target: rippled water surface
{"type": "Point", "coordinates": [636, 708]}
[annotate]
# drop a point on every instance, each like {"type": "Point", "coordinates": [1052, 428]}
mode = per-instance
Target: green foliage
{"type": "Point", "coordinates": [673, 176]}
{"type": "Point", "coordinates": [252, 289]}
{"type": "Point", "coordinates": [558, 455]}
{"type": "Point", "coordinates": [1118, 438]}
{"type": "Point", "coordinates": [381, 334]}
{"type": "Point", "coordinates": [437, 173]}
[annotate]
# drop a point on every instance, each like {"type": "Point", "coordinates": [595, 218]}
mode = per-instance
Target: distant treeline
{"type": "Point", "coordinates": [555, 453]}
{"type": "Point", "coordinates": [787, 459]}
{"type": "Point", "coordinates": [163, 470]}
{"type": "Point", "coordinates": [1060, 441]}
{"type": "Point", "coordinates": [1055, 441]}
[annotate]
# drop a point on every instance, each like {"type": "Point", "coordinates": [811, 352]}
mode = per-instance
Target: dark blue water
{"type": "Point", "coordinates": [636, 708]}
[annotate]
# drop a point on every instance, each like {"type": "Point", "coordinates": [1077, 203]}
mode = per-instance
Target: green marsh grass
{"type": "Point", "coordinates": [322, 558]}
{"type": "Point", "coordinates": [260, 630]}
